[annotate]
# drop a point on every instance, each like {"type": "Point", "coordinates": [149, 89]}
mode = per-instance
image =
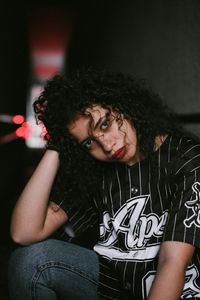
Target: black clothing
{"type": "Point", "coordinates": [138, 207]}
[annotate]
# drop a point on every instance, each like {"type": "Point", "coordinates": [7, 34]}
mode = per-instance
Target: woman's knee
{"type": "Point", "coordinates": [28, 258]}
{"type": "Point", "coordinates": [24, 260]}
{"type": "Point", "coordinates": [57, 262]}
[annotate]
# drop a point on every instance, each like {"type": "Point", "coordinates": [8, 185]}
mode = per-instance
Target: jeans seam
{"type": "Point", "coordinates": [58, 265]}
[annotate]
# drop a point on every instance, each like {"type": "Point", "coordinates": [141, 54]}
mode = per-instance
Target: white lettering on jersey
{"type": "Point", "coordinates": [194, 205]}
{"type": "Point", "coordinates": [190, 290]}
{"type": "Point", "coordinates": [136, 227]}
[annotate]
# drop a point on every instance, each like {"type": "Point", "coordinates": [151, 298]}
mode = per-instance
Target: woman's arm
{"type": "Point", "coordinates": [169, 281]}
{"type": "Point", "coordinates": [33, 218]}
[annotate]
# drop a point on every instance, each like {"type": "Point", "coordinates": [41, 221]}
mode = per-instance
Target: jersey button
{"type": "Point", "coordinates": [127, 286]}
{"type": "Point", "coordinates": [134, 190]}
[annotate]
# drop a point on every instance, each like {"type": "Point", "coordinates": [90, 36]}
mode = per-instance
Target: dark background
{"type": "Point", "coordinates": [158, 40]}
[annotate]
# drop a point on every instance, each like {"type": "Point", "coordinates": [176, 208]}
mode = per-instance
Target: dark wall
{"type": "Point", "coordinates": [14, 59]}
{"type": "Point", "coordinates": [13, 90]}
{"type": "Point", "coordinates": [157, 40]}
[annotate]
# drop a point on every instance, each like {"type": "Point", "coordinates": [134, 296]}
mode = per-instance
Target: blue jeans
{"type": "Point", "coordinates": [52, 270]}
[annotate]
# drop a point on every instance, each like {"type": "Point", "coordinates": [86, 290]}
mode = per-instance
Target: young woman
{"type": "Point", "coordinates": [122, 181]}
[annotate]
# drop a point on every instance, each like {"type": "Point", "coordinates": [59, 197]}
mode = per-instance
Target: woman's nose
{"type": "Point", "coordinates": [106, 142]}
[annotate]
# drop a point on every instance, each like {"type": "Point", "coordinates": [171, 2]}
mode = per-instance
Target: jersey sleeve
{"type": "Point", "coordinates": [82, 225]}
{"type": "Point", "coordinates": [82, 214]}
{"type": "Point", "coordinates": [184, 215]}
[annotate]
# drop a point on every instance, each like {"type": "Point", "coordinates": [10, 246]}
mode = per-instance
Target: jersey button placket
{"type": "Point", "coordinates": [127, 286]}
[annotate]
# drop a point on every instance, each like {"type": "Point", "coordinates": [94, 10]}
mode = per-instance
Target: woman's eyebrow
{"type": "Point", "coordinates": [99, 121]}
{"type": "Point", "coordinates": [95, 127]}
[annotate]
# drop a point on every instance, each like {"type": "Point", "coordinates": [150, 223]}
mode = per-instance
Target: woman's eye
{"type": "Point", "coordinates": [105, 124]}
{"type": "Point", "coordinates": [88, 144]}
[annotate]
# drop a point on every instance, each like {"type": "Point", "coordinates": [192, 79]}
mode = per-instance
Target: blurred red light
{"type": "Point", "coordinates": [18, 119]}
{"type": "Point", "coordinates": [20, 131]}
{"type": "Point", "coordinates": [25, 131]}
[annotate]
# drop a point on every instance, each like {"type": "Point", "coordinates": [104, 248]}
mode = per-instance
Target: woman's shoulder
{"type": "Point", "coordinates": [181, 143]}
{"type": "Point", "coordinates": [187, 144]}
{"type": "Point", "coordinates": [184, 153]}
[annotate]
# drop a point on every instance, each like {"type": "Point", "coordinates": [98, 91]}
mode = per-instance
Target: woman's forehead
{"type": "Point", "coordinates": [92, 114]}
{"type": "Point", "coordinates": [96, 111]}
{"type": "Point", "coordinates": [84, 122]}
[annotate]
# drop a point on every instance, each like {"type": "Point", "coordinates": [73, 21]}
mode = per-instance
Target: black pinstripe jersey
{"type": "Point", "coordinates": [137, 208]}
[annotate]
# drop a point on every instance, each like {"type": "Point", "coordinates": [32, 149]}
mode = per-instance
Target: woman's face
{"type": "Point", "coordinates": [106, 135]}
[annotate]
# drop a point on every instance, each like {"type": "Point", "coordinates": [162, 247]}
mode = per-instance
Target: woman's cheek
{"type": "Point", "coordinates": [98, 154]}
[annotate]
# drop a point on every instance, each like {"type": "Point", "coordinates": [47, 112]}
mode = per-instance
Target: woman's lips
{"type": "Point", "coordinates": [119, 153]}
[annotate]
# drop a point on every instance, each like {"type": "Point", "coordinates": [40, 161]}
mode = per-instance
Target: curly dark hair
{"type": "Point", "coordinates": [63, 97]}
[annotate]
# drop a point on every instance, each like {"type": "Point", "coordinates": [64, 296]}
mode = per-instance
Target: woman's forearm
{"type": "Point", "coordinates": [174, 258]}
{"type": "Point", "coordinates": [30, 211]}
{"type": "Point", "coordinates": [168, 283]}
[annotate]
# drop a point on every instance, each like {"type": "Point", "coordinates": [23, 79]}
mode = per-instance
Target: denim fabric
{"type": "Point", "coordinates": [51, 270]}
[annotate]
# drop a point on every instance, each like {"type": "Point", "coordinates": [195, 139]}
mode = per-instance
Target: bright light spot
{"type": "Point", "coordinates": [25, 131]}
{"type": "Point", "coordinates": [18, 119]}
{"type": "Point", "coordinates": [44, 133]}
{"type": "Point", "coordinates": [20, 131]}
